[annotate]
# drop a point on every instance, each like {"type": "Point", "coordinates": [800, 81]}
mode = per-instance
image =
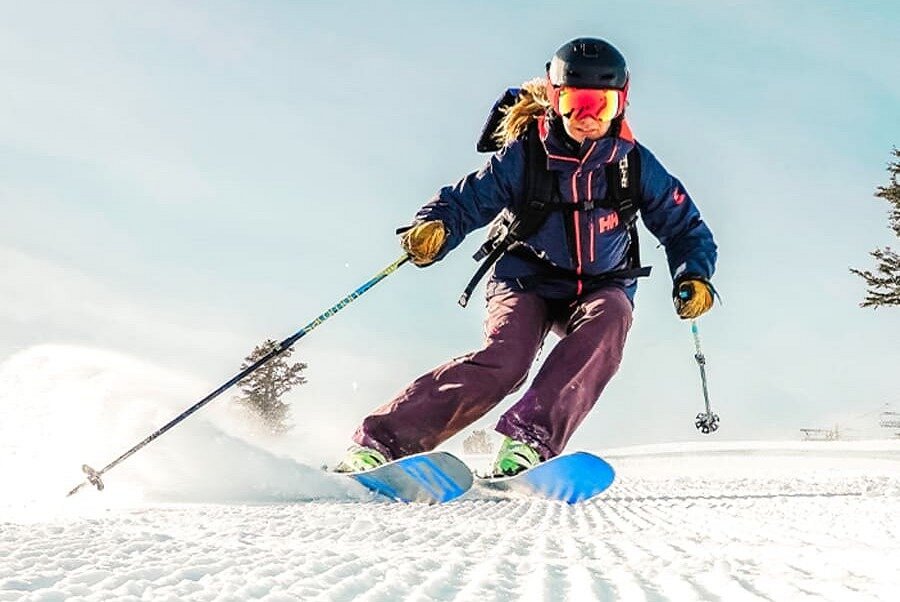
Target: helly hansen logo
{"type": "Point", "coordinates": [608, 222]}
{"type": "Point", "coordinates": [678, 196]}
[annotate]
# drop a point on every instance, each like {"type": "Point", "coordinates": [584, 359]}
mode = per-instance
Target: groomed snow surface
{"type": "Point", "coordinates": [681, 523]}
{"type": "Point", "coordinates": [205, 514]}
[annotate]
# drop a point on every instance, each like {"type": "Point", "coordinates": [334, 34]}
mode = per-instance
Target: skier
{"type": "Point", "coordinates": [571, 276]}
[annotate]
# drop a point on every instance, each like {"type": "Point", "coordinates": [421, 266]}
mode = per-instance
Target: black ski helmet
{"type": "Point", "coordinates": [588, 63]}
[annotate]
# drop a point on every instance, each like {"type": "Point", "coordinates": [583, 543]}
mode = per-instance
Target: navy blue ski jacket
{"type": "Point", "coordinates": [595, 241]}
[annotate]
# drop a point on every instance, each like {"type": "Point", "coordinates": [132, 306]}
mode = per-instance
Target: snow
{"type": "Point", "coordinates": [687, 524]}
{"type": "Point", "coordinates": [208, 513]}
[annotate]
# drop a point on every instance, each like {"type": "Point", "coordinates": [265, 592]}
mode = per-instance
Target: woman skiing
{"type": "Point", "coordinates": [574, 275]}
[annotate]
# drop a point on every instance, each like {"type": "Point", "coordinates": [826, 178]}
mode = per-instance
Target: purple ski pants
{"type": "Point", "coordinates": [442, 402]}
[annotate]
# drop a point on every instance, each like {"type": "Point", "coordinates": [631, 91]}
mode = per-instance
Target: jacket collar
{"type": "Point", "coordinates": [564, 154]}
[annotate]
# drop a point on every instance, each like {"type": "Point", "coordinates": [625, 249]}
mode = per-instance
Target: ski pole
{"type": "Point", "coordinates": [706, 422]}
{"type": "Point", "coordinates": [93, 476]}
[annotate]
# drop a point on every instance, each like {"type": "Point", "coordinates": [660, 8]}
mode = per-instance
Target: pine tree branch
{"type": "Point", "coordinates": [883, 285]}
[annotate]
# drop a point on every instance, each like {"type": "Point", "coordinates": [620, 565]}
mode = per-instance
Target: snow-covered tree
{"type": "Point", "coordinates": [478, 443]}
{"type": "Point", "coordinates": [884, 282]}
{"type": "Point", "coordinates": [262, 390]}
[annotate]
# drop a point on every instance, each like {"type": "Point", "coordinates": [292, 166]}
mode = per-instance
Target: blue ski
{"type": "Point", "coordinates": [570, 478]}
{"type": "Point", "coordinates": [431, 478]}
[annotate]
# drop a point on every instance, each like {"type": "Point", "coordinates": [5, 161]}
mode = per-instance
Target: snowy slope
{"type": "Point", "coordinates": [731, 522]}
{"type": "Point", "coordinates": [208, 513]}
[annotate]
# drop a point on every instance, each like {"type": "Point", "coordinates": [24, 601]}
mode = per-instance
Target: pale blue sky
{"type": "Point", "coordinates": [181, 180]}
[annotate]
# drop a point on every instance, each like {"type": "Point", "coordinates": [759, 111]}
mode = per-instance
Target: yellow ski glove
{"type": "Point", "coordinates": [424, 241]}
{"type": "Point", "coordinates": [693, 298]}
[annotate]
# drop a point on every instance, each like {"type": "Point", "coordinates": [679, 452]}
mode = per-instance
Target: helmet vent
{"type": "Point", "coordinates": [590, 50]}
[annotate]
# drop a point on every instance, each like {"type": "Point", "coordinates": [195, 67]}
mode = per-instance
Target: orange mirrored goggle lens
{"type": "Point", "coordinates": [578, 103]}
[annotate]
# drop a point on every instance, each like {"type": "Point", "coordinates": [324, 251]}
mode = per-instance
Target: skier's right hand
{"type": "Point", "coordinates": [423, 241]}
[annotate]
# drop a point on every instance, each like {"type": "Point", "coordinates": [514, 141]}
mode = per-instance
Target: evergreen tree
{"type": "Point", "coordinates": [884, 283]}
{"type": "Point", "coordinates": [478, 443]}
{"type": "Point", "coordinates": [262, 390]}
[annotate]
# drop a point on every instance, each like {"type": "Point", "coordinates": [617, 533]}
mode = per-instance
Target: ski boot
{"type": "Point", "coordinates": [514, 457]}
{"type": "Point", "coordinates": [359, 459]}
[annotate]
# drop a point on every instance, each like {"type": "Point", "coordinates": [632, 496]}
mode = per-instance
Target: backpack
{"type": "Point", "coordinates": [516, 224]}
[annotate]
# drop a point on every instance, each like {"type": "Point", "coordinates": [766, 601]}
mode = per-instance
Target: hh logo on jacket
{"type": "Point", "coordinates": [608, 222]}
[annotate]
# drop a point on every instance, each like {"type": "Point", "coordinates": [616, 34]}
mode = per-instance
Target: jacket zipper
{"type": "Point", "coordinates": [590, 189]}
{"type": "Point", "coordinates": [576, 221]}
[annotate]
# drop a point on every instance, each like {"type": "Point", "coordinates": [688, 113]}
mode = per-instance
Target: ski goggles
{"type": "Point", "coordinates": [600, 103]}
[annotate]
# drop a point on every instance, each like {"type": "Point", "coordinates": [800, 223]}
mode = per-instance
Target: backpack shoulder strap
{"type": "Point", "coordinates": [624, 191]}
{"type": "Point", "coordinates": [540, 199]}
{"type": "Point", "coordinates": [541, 194]}
{"type": "Point", "coordinates": [624, 196]}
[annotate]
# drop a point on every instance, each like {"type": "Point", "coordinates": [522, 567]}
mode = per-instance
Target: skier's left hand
{"type": "Point", "coordinates": [693, 298]}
